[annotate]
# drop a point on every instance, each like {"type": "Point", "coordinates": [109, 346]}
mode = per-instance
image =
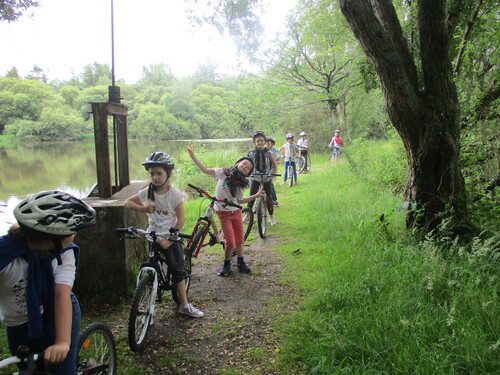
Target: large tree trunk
{"type": "Point", "coordinates": [427, 120]}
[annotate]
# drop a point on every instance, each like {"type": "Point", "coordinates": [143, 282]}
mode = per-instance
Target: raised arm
{"type": "Point", "coordinates": [199, 164]}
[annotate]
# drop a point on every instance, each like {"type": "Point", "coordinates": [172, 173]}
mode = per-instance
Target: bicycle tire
{"type": "Point", "coordinates": [290, 176]}
{"type": "Point", "coordinates": [301, 164]}
{"type": "Point", "coordinates": [96, 353]}
{"type": "Point", "coordinates": [140, 314]}
{"type": "Point", "coordinates": [261, 212]}
{"type": "Point", "coordinates": [196, 239]}
{"type": "Point", "coordinates": [247, 226]}
{"type": "Point", "coordinates": [187, 269]}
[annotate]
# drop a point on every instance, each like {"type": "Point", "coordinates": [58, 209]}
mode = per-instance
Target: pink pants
{"type": "Point", "coordinates": [232, 226]}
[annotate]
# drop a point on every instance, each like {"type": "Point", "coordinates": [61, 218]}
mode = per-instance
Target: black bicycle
{"type": "Point", "coordinates": [260, 208]}
{"type": "Point", "coordinates": [154, 277]}
{"type": "Point", "coordinates": [96, 354]}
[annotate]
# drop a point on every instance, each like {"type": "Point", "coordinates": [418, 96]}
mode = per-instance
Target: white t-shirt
{"type": "Point", "coordinates": [303, 143]}
{"type": "Point", "coordinates": [291, 151]}
{"type": "Point", "coordinates": [164, 216]}
{"type": "Point", "coordinates": [14, 282]}
{"type": "Point", "coordinates": [222, 192]}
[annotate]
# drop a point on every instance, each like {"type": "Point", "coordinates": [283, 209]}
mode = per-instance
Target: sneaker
{"type": "Point", "coordinates": [272, 221]}
{"type": "Point", "coordinates": [295, 183]}
{"type": "Point", "coordinates": [191, 311]}
{"type": "Point", "coordinates": [275, 203]}
{"type": "Point", "coordinates": [243, 267]}
{"type": "Point", "coordinates": [283, 182]}
{"type": "Point", "coordinates": [224, 270]}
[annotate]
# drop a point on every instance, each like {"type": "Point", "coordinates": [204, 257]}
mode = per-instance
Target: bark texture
{"type": "Point", "coordinates": [425, 113]}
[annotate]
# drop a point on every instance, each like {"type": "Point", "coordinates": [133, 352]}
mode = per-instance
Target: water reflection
{"type": "Point", "coordinates": [70, 166]}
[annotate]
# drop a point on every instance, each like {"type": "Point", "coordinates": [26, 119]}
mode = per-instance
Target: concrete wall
{"type": "Point", "coordinates": [105, 273]}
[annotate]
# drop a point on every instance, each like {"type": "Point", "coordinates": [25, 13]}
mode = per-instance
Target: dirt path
{"type": "Point", "coordinates": [235, 334]}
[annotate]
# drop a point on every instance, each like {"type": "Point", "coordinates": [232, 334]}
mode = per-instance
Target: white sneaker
{"type": "Point", "coordinates": [272, 221]}
{"type": "Point", "coordinates": [191, 311]}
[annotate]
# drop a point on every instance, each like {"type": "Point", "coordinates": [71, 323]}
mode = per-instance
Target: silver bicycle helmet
{"type": "Point", "coordinates": [337, 131]}
{"type": "Point", "coordinates": [55, 213]}
{"type": "Point", "coordinates": [303, 133]}
{"type": "Point", "coordinates": [159, 159]}
{"type": "Point", "coordinates": [289, 135]}
{"type": "Point", "coordinates": [270, 139]}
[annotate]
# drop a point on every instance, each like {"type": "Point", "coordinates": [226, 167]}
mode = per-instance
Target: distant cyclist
{"type": "Point", "coordinates": [38, 261]}
{"type": "Point", "coordinates": [336, 140]}
{"type": "Point", "coordinates": [264, 162]}
{"type": "Point", "coordinates": [270, 142]}
{"type": "Point", "coordinates": [303, 144]}
{"type": "Point", "coordinates": [292, 152]}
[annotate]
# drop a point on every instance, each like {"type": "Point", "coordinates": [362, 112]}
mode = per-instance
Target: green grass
{"type": "Point", "coordinates": [373, 300]}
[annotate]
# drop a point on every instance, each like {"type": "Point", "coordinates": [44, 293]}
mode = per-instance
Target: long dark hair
{"type": "Point", "coordinates": [151, 188]}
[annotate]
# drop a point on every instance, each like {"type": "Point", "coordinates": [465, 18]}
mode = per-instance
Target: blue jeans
{"type": "Point", "coordinates": [292, 163]}
{"type": "Point", "coordinates": [18, 335]}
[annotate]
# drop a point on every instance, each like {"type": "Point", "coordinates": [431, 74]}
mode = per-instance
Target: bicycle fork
{"type": "Point", "coordinates": [144, 271]}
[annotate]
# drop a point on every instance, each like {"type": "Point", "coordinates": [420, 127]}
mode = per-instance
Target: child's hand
{"type": "Point", "coordinates": [260, 193]}
{"type": "Point", "coordinates": [150, 208]}
{"type": "Point", "coordinates": [190, 151]}
{"type": "Point", "coordinates": [56, 353]}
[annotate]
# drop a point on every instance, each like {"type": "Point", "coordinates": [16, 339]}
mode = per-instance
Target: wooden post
{"type": "Point", "coordinates": [122, 147]}
{"type": "Point", "coordinates": [100, 112]}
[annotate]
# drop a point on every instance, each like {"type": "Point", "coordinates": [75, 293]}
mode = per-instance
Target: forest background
{"type": "Point", "coordinates": [315, 78]}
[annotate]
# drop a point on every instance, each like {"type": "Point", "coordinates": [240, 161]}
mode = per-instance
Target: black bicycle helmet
{"type": "Point", "coordinates": [271, 139]}
{"type": "Point", "coordinates": [258, 134]}
{"type": "Point", "coordinates": [159, 159]}
{"type": "Point", "coordinates": [249, 159]}
{"type": "Point", "coordinates": [55, 213]}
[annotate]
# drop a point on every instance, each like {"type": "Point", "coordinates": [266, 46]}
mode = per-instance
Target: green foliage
{"type": "Point", "coordinates": [376, 305]}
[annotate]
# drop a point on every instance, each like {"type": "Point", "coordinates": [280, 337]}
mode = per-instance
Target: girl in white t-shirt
{"type": "Point", "coordinates": [164, 205]}
{"type": "Point", "coordinates": [230, 185]}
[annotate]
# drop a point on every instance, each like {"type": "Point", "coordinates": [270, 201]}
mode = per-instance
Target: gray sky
{"type": "Point", "coordinates": [62, 36]}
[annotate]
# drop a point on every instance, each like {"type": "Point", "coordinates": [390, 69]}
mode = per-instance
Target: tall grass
{"type": "Point", "coordinates": [373, 300]}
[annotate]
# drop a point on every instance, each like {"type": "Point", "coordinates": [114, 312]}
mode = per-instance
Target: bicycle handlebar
{"type": "Point", "coordinates": [23, 355]}
{"type": "Point", "coordinates": [265, 174]}
{"type": "Point", "coordinates": [224, 202]}
{"type": "Point", "coordinates": [171, 235]}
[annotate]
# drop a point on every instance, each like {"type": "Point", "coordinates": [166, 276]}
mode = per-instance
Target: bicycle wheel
{"type": "Point", "coordinates": [290, 176]}
{"type": "Point", "coordinates": [332, 157]}
{"type": "Point", "coordinates": [196, 240]}
{"type": "Point", "coordinates": [302, 164]}
{"type": "Point", "coordinates": [187, 269]}
{"type": "Point", "coordinates": [261, 212]}
{"type": "Point", "coordinates": [141, 314]}
{"type": "Point", "coordinates": [308, 163]}
{"type": "Point", "coordinates": [96, 353]}
{"type": "Point", "coordinates": [248, 223]}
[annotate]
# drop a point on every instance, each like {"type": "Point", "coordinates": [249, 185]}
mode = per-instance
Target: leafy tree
{"type": "Point", "coordinates": [11, 10]}
{"type": "Point", "coordinates": [206, 74]}
{"type": "Point", "coordinates": [180, 102]}
{"type": "Point", "coordinates": [156, 75]}
{"type": "Point", "coordinates": [96, 74]}
{"type": "Point", "coordinates": [69, 94]}
{"type": "Point", "coordinates": [94, 94]}
{"type": "Point", "coordinates": [425, 114]}
{"type": "Point", "coordinates": [12, 73]}
{"type": "Point", "coordinates": [38, 74]}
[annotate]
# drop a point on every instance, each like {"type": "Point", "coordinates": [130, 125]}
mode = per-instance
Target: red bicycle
{"type": "Point", "coordinates": [205, 226]}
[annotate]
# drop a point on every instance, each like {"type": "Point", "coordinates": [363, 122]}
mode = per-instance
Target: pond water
{"type": "Point", "coordinates": [29, 167]}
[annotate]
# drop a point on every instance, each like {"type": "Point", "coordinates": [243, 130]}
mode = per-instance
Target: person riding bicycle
{"type": "Point", "coordinates": [264, 162]}
{"type": "Point", "coordinates": [336, 140]}
{"type": "Point", "coordinates": [230, 185]}
{"type": "Point", "coordinates": [270, 142]}
{"type": "Point", "coordinates": [164, 204]}
{"type": "Point", "coordinates": [38, 262]}
{"type": "Point", "coordinates": [292, 152]}
{"type": "Point", "coordinates": [303, 144]}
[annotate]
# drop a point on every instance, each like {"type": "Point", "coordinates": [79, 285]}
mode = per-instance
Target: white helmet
{"type": "Point", "coordinates": [289, 135]}
{"type": "Point", "coordinates": [55, 213]}
{"type": "Point", "coordinates": [337, 131]}
{"type": "Point", "coordinates": [303, 133]}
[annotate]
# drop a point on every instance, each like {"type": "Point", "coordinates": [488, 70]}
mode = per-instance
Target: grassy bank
{"type": "Point", "coordinates": [373, 300]}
